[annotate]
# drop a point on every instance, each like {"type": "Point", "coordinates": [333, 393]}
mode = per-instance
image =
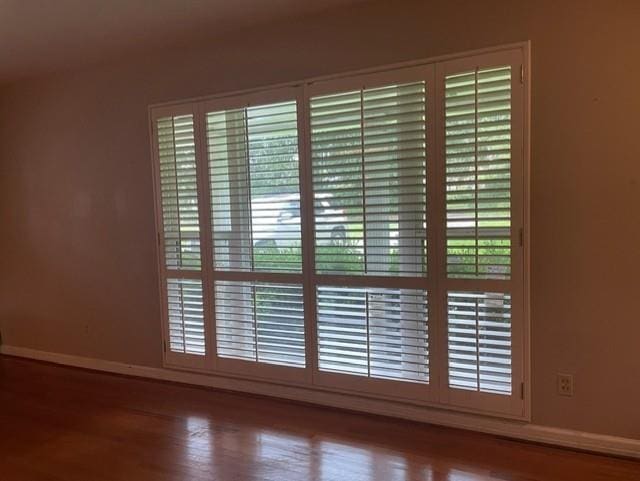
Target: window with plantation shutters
{"type": "Point", "coordinates": [254, 185]}
{"type": "Point", "coordinates": [360, 234]}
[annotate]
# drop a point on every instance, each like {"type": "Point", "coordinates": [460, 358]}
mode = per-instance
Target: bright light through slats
{"type": "Point", "coordinates": [179, 192]}
{"type": "Point", "coordinates": [479, 328]}
{"type": "Point", "coordinates": [369, 181]}
{"type": "Point", "coordinates": [478, 173]}
{"type": "Point", "coordinates": [260, 321]}
{"type": "Point", "coordinates": [375, 332]}
{"type": "Point", "coordinates": [255, 192]}
{"type": "Point", "coordinates": [186, 316]}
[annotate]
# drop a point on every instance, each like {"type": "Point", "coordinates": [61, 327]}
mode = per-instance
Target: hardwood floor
{"type": "Point", "coordinates": [66, 424]}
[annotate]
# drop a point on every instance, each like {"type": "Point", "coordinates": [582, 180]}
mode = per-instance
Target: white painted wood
{"type": "Point", "coordinates": [307, 226]}
{"type": "Point", "coordinates": [206, 249]}
{"type": "Point", "coordinates": [526, 220]}
{"type": "Point", "coordinates": [600, 443]}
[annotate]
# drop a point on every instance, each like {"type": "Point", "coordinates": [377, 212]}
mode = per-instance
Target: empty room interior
{"type": "Point", "coordinates": [319, 240]}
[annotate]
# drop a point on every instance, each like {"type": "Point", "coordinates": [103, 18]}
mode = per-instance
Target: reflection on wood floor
{"type": "Point", "coordinates": [64, 424]}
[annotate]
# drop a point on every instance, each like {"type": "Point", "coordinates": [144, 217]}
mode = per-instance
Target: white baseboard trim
{"type": "Point", "coordinates": [568, 438]}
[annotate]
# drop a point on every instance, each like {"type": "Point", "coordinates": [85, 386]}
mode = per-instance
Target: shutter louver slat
{"type": "Point", "coordinates": [369, 166]}
{"type": "Point", "coordinates": [186, 316]}
{"type": "Point", "coordinates": [255, 193]}
{"type": "Point", "coordinates": [179, 192]}
{"type": "Point", "coordinates": [375, 332]}
{"type": "Point", "coordinates": [478, 173]}
{"type": "Point", "coordinates": [479, 338]}
{"type": "Point", "coordinates": [260, 322]}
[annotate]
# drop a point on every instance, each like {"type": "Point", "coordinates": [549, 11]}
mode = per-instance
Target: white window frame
{"type": "Point", "coordinates": [436, 393]}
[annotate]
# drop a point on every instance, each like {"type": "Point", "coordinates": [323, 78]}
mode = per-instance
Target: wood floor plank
{"type": "Point", "coordinates": [64, 424]}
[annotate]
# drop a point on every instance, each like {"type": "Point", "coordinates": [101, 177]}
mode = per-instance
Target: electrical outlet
{"type": "Point", "coordinates": [565, 384]}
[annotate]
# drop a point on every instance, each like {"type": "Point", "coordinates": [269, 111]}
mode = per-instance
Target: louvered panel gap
{"type": "Point", "coordinates": [375, 332]}
{"type": "Point", "coordinates": [368, 153]}
{"type": "Point", "coordinates": [255, 192]}
{"type": "Point", "coordinates": [178, 192]}
{"type": "Point", "coordinates": [261, 322]}
{"type": "Point", "coordinates": [186, 316]}
{"type": "Point", "coordinates": [478, 173]}
{"type": "Point", "coordinates": [479, 341]}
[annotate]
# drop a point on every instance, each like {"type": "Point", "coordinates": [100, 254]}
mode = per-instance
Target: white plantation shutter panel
{"type": "Point", "coordinates": [478, 167]}
{"type": "Point", "coordinates": [369, 177]}
{"type": "Point", "coordinates": [369, 161]}
{"type": "Point", "coordinates": [374, 332]}
{"type": "Point", "coordinates": [479, 330]}
{"type": "Point", "coordinates": [260, 321]}
{"type": "Point", "coordinates": [255, 192]}
{"type": "Point", "coordinates": [186, 316]}
{"type": "Point", "coordinates": [478, 175]}
{"type": "Point", "coordinates": [482, 266]}
{"type": "Point", "coordinates": [178, 192]}
{"type": "Point", "coordinates": [254, 180]}
{"type": "Point", "coordinates": [178, 207]}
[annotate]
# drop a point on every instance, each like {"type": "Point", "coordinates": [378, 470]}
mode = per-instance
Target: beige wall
{"type": "Point", "coordinates": [78, 272]}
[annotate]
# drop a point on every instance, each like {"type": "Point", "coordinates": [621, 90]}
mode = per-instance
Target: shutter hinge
{"type": "Point", "coordinates": [522, 74]}
{"type": "Point", "coordinates": [521, 390]}
{"type": "Point", "coordinates": [158, 237]}
{"type": "Point", "coordinates": [521, 237]}
{"type": "Point", "coordinates": [164, 346]}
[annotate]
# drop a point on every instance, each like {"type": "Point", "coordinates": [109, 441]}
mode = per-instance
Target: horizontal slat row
{"type": "Point", "coordinates": [479, 341]}
{"type": "Point", "coordinates": [374, 332]}
{"type": "Point", "coordinates": [186, 316]}
{"type": "Point", "coordinates": [179, 192]}
{"type": "Point", "coordinates": [261, 322]}
{"type": "Point", "coordinates": [478, 173]}
{"type": "Point", "coordinates": [368, 152]}
{"type": "Point", "coordinates": [255, 192]}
